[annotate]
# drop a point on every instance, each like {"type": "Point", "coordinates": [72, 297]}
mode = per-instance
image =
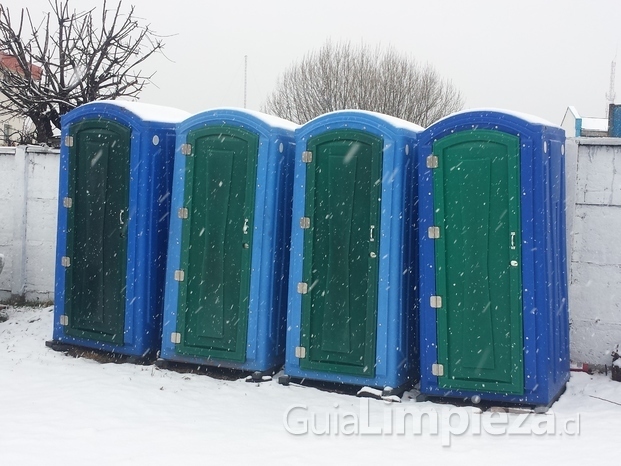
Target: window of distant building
{"type": "Point", "coordinates": [7, 134]}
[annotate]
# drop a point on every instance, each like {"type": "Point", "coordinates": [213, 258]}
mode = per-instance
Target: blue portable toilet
{"type": "Point", "coordinates": [352, 300]}
{"type": "Point", "coordinates": [116, 162]}
{"type": "Point", "coordinates": [493, 281]}
{"type": "Point", "coordinates": [226, 279]}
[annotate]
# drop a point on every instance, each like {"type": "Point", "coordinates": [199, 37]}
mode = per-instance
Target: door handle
{"type": "Point", "coordinates": [513, 240]}
{"type": "Point", "coordinates": [121, 222]}
{"type": "Point", "coordinates": [371, 233]}
{"type": "Point", "coordinates": [245, 227]}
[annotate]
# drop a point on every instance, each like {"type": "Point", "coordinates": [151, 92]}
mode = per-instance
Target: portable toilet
{"type": "Point", "coordinates": [493, 282]}
{"type": "Point", "coordinates": [226, 280]}
{"type": "Point", "coordinates": [352, 300]}
{"type": "Point", "coordinates": [114, 201]}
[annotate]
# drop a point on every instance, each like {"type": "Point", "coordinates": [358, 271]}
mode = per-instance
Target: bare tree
{"type": "Point", "coordinates": [341, 76]}
{"type": "Point", "coordinates": [70, 58]}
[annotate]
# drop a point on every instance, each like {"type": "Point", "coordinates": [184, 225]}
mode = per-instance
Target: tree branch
{"type": "Point", "coordinates": [342, 76]}
{"type": "Point", "coordinates": [69, 59]}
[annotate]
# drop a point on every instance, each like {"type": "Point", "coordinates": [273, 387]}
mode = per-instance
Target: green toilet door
{"type": "Point", "coordinates": [478, 269]}
{"type": "Point", "coordinates": [341, 245]}
{"type": "Point", "coordinates": [217, 242]}
{"type": "Point", "coordinates": [97, 225]}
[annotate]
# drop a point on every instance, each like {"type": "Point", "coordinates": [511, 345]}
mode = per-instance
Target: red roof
{"type": "Point", "coordinates": [10, 62]}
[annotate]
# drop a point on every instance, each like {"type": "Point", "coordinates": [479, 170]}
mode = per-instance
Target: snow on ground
{"type": "Point", "coordinates": [60, 410]}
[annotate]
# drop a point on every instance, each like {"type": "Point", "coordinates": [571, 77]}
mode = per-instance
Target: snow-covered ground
{"type": "Point", "coordinates": [60, 410]}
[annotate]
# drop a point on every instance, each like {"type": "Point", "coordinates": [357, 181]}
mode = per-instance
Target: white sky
{"type": "Point", "coordinates": [532, 56]}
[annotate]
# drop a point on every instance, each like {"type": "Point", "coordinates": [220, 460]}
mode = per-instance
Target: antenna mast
{"type": "Point", "coordinates": [611, 94]}
{"type": "Point", "coordinates": [246, 78]}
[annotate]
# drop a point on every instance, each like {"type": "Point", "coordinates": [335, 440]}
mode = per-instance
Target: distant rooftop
{"type": "Point", "coordinates": [10, 62]}
{"type": "Point", "coordinates": [595, 124]}
{"type": "Point", "coordinates": [577, 126]}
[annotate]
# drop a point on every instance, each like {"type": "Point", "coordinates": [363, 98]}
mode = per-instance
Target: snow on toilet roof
{"type": "Point", "coordinates": [270, 120]}
{"type": "Point", "coordinates": [149, 112]}
{"type": "Point", "coordinates": [393, 121]}
{"type": "Point", "coordinates": [523, 116]}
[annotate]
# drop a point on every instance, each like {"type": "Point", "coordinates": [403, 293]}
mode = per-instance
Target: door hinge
{"type": "Point", "coordinates": [437, 370]}
{"type": "Point", "coordinates": [433, 232]}
{"type": "Point", "coordinates": [69, 141]}
{"type": "Point", "coordinates": [302, 288]}
{"type": "Point", "coordinates": [67, 202]}
{"type": "Point", "coordinates": [432, 161]}
{"type": "Point", "coordinates": [300, 352]}
{"type": "Point", "coordinates": [305, 223]}
{"type": "Point", "coordinates": [307, 156]}
{"type": "Point", "coordinates": [65, 261]}
{"type": "Point", "coordinates": [183, 212]}
{"type": "Point", "coordinates": [179, 275]}
{"type": "Point", "coordinates": [175, 337]}
{"type": "Point", "coordinates": [186, 149]}
{"type": "Point", "coordinates": [64, 320]}
{"type": "Point", "coordinates": [436, 302]}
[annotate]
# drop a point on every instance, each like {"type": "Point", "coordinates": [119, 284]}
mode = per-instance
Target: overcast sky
{"type": "Point", "coordinates": [532, 56]}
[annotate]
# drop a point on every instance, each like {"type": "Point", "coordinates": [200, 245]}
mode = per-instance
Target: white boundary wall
{"type": "Point", "coordinates": [595, 277]}
{"type": "Point", "coordinates": [28, 206]}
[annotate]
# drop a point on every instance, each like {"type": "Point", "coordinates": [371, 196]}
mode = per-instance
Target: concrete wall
{"type": "Point", "coordinates": [595, 275]}
{"type": "Point", "coordinates": [28, 205]}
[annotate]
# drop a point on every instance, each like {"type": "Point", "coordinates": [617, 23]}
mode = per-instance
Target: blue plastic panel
{"type": "Point", "coordinates": [151, 157]}
{"type": "Point", "coordinates": [614, 121]}
{"type": "Point", "coordinates": [269, 255]}
{"type": "Point", "coordinates": [396, 344]}
{"type": "Point", "coordinates": [544, 262]}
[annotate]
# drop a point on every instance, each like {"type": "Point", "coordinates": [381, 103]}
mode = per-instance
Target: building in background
{"type": "Point", "coordinates": [578, 126]}
{"type": "Point", "coordinates": [592, 127]}
{"type": "Point", "coordinates": [11, 126]}
{"type": "Point", "coordinates": [614, 120]}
